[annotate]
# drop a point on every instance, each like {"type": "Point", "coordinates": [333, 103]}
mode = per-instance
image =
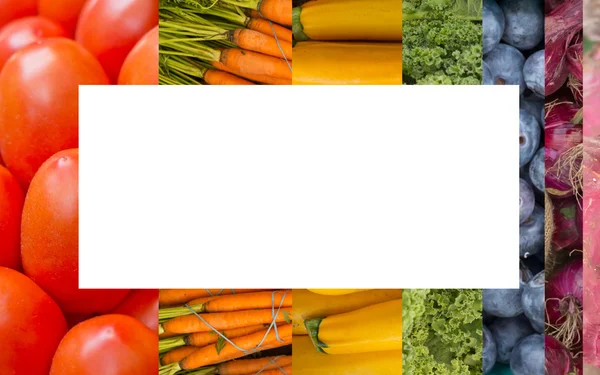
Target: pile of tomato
{"type": "Point", "coordinates": [47, 324]}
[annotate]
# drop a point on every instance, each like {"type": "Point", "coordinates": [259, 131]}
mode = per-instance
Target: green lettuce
{"type": "Point", "coordinates": [442, 332]}
{"type": "Point", "coordinates": [442, 42]}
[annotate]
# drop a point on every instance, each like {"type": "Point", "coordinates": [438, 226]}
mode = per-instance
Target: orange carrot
{"type": "Point", "coordinates": [177, 354]}
{"type": "Point", "coordinates": [255, 63]}
{"type": "Point", "coordinates": [166, 335]}
{"type": "Point", "coordinates": [277, 371]}
{"type": "Point", "coordinates": [200, 339]}
{"type": "Point", "coordinates": [211, 354]}
{"type": "Point", "coordinates": [279, 11]}
{"type": "Point", "coordinates": [223, 321]}
{"type": "Point", "coordinates": [218, 77]}
{"type": "Point", "coordinates": [252, 366]}
{"type": "Point", "coordinates": [254, 77]}
{"type": "Point", "coordinates": [253, 13]}
{"type": "Point", "coordinates": [259, 42]}
{"type": "Point", "coordinates": [269, 28]}
{"type": "Point", "coordinates": [249, 301]}
{"type": "Point", "coordinates": [175, 296]}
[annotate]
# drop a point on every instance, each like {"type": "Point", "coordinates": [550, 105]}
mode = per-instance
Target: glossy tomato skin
{"type": "Point", "coordinates": [108, 344]}
{"type": "Point", "coordinates": [50, 238]}
{"type": "Point", "coordinates": [39, 96]}
{"type": "Point", "coordinates": [65, 12]}
{"type": "Point", "coordinates": [11, 206]}
{"type": "Point", "coordinates": [22, 32]}
{"type": "Point", "coordinates": [31, 326]}
{"type": "Point", "coordinates": [141, 304]}
{"type": "Point", "coordinates": [109, 29]}
{"type": "Point", "coordinates": [13, 9]}
{"type": "Point", "coordinates": [141, 65]}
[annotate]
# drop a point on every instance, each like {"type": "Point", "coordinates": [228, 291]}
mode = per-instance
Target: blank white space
{"type": "Point", "coordinates": [299, 187]}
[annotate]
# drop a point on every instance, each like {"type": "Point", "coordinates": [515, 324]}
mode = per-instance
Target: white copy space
{"type": "Point", "coordinates": [299, 187]}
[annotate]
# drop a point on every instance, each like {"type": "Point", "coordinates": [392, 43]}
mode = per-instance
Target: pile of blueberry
{"type": "Point", "coordinates": [513, 47]}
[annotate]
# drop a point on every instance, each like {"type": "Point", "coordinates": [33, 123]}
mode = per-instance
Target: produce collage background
{"type": "Point", "coordinates": [551, 325]}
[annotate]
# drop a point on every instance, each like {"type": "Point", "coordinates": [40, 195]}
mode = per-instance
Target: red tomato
{"type": "Point", "coordinates": [11, 205]}
{"type": "Point", "coordinates": [141, 65]}
{"type": "Point", "coordinates": [110, 28]}
{"type": "Point", "coordinates": [39, 96]}
{"type": "Point", "coordinates": [50, 238]}
{"type": "Point", "coordinates": [109, 344]}
{"type": "Point", "coordinates": [31, 326]}
{"type": "Point", "coordinates": [13, 9]}
{"type": "Point", "coordinates": [22, 32]}
{"type": "Point", "coordinates": [141, 304]}
{"type": "Point", "coordinates": [65, 12]}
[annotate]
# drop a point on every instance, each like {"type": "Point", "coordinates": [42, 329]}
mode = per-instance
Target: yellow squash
{"type": "Point", "coordinates": [310, 305]}
{"type": "Point", "coordinates": [336, 292]}
{"type": "Point", "coordinates": [373, 20]}
{"type": "Point", "coordinates": [347, 63]}
{"type": "Point", "coordinates": [373, 328]}
{"type": "Point", "coordinates": [307, 361]}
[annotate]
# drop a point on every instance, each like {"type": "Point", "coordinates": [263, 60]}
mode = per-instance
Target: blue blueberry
{"type": "Point", "coordinates": [528, 356]}
{"type": "Point", "coordinates": [508, 332]}
{"type": "Point", "coordinates": [489, 350]}
{"type": "Point", "coordinates": [526, 200]}
{"type": "Point", "coordinates": [531, 234]}
{"type": "Point", "coordinates": [506, 65]}
{"type": "Point", "coordinates": [532, 300]}
{"type": "Point", "coordinates": [493, 25]}
{"type": "Point", "coordinates": [524, 23]}
{"type": "Point", "coordinates": [503, 303]}
{"type": "Point", "coordinates": [534, 73]}
{"type": "Point", "coordinates": [529, 137]}
{"type": "Point", "coordinates": [534, 105]}
{"type": "Point", "coordinates": [537, 170]}
{"type": "Point", "coordinates": [487, 75]}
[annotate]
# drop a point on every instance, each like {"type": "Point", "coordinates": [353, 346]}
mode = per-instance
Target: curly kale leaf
{"type": "Point", "coordinates": [470, 9]}
{"type": "Point", "coordinates": [442, 51]}
{"type": "Point", "coordinates": [442, 332]}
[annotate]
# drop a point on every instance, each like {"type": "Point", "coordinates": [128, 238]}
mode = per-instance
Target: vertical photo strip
{"type": "Point", "coordinates": [591, 184]}
{"type": "Point", "coordinates": [514, 319]}
{"type": "Point", "coordinates": [565, 249]}
{"type": "Point", "coordinates": [49, 49]}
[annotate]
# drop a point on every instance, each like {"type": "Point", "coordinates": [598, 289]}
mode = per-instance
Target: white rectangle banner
{"type": "Point", "coordinates": [299, 187]}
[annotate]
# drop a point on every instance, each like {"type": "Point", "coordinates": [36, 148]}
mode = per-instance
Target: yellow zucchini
{"type": "Point", "coordinates": [347, 63]}
{"type": "Point", "coordinates": [336, 292]}
{"type": "Point", "coordinates": [310, 305]}
{"type": "Point", "coordinates": [373, 20]}
{"type": "Point", "coordinates": [307, 361]}
{"type": "Point", "coordinates": [373, 328]}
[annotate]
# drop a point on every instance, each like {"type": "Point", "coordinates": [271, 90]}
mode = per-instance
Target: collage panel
{"type": "Point", "coordinates": [347, 331]}
{"type": "Point", "coordinates": [225, 42]}
{"type": "Point", "coordinates": [48, 50]}
{"type": "Point", "coordinates": [442, 42]}
{"type": "Point", "coordinates": [591, 205]}
{"type": "Point", "coordinates": [347, 42]}
{"type": "Point", "coordinates": [514, 319]}
{"type": "Point", "coordinates": [564, 292]}
{"type": "Point", "coordinates": [225, 331]}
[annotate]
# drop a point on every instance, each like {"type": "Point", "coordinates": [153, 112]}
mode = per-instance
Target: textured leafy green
{"type": "Point", "coordinates": [442, 42]}
{"type": "Point", "coordinates": [442, 332]}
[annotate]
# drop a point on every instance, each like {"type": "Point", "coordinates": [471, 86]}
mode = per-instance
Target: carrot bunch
{"type": "Point", "coordinates": [225, 42]}
{"type": "Point", "coordinates": [225, 332]}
